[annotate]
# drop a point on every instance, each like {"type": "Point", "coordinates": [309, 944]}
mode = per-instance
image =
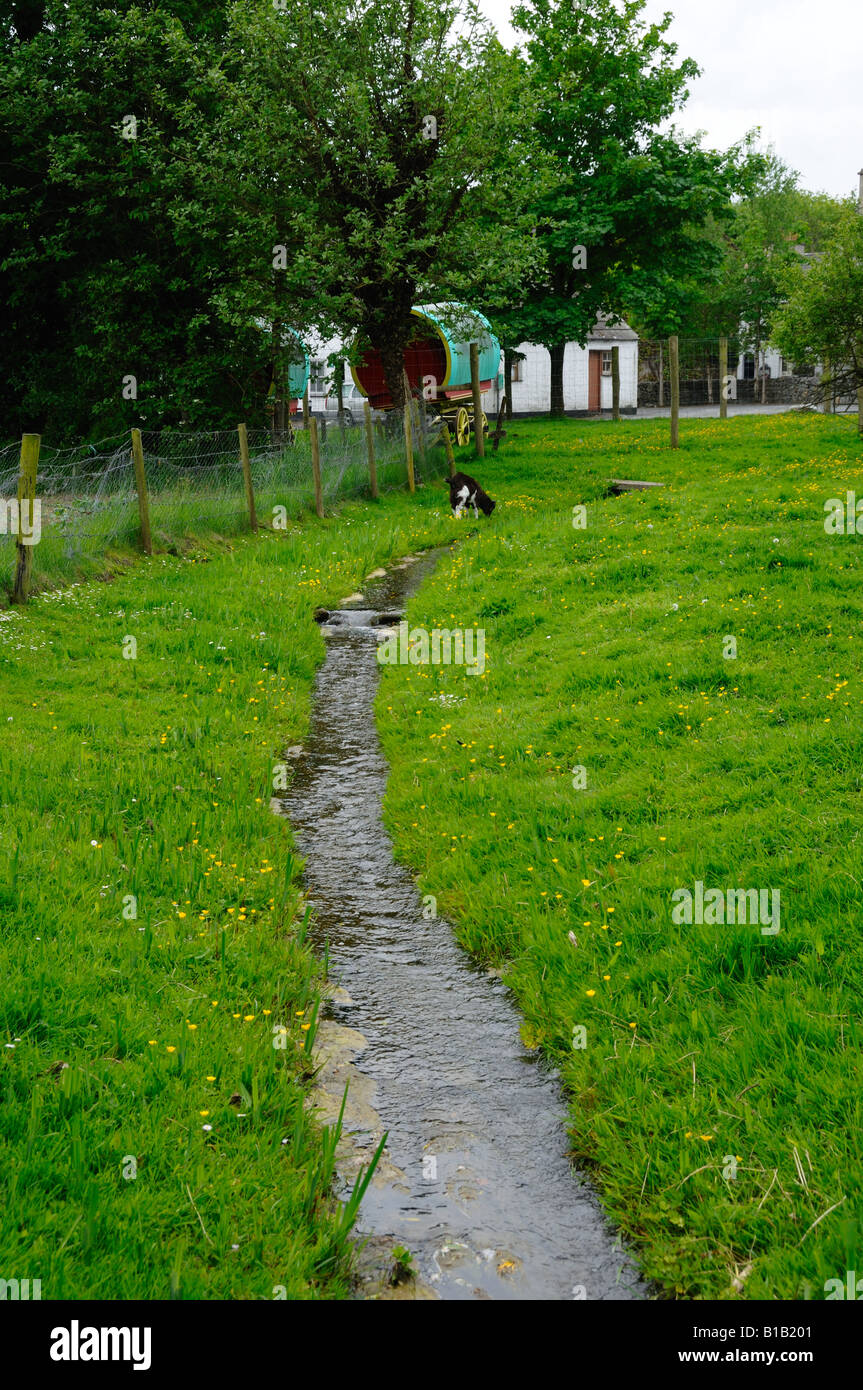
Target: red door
{"type": "Point", "coordinates": [594, 381]}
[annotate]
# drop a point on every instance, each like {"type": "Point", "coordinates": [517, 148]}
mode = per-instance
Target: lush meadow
{"type": "Point", "coordinates": [615, 751]}
{"type": "Point", "coordinates": [156, 1142]}
{"type": "Point", "coordinates": [153, 1133]}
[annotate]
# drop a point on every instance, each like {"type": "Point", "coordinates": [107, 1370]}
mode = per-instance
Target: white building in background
{"type": "Point", "coordinates": [770, 362]}
{"type": "Point", "coordinates": [586, 373]}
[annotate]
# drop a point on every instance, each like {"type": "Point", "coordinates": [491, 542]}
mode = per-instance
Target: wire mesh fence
{"type": "Point", "coordinates": [755, 377]}
{"type": "Point", "coordinates": [88, 500]}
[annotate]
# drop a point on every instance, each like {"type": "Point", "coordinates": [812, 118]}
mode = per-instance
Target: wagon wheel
{"type": "Point", "coordinates": [462, 425]}
{"type": "Point", "coordinates": [484, 423]}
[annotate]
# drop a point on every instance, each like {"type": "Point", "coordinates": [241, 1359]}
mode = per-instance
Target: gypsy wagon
{"type": "Point", "coordinates": [437, 363]}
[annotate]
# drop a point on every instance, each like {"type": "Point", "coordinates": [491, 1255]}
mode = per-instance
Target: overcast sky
{"type": "Point", "coordinates": [793, 67]}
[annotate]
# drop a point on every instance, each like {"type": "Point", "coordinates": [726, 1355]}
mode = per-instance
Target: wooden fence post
{"type": "Point", "coordinates": [660, 393]}
{"type": "Point", "coordinates": [306, 410]}
{"type": "Point", "coordinates": [478, 436]}
{"type": "Point", "coordinates": [447, 444]}
{"type": "Point", "coordinates": [418, 419]}
{"type": "Point", "coordinates": [370, 447]}
{"type": "Point", "coordinates": [316, 466]}
{"type": "Point", "coordinates": [27, 469]}
{"type": "Point", "coordinates": [340, 396]}
{"type": "Point", "coordinates": [247, 474]}
{"type": "Point", "coordinates": [615, 383]}
{"type": "Point", "coordinates": [409, 448]}
{"type": "Point", "coordinates": [723, 373]}
{"type": "Point", "coordinates": [674, 373]}
{"type": "Point", "coordinates": [141, 486]}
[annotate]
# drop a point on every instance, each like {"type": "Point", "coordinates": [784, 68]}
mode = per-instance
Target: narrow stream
{"type": "Point", "coordinates": [475, 1180]}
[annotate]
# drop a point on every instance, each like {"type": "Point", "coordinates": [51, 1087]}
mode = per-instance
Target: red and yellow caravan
{"type": "Point", "coordinates": [437, 363]}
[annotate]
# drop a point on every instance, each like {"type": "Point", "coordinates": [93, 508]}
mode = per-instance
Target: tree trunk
{"type": "Point", "coordinates": [660, 395]}
{"type": "Point", "coordinates": [339, 373]}
{"type": "Point", "coordinates": [275, 371]}
{"type": "Point", "coordinates": [393, 363]}
{"type": "Point", "coordinates": [556, 353]}
{"type": "Point", "coordinates": [507, 380]}
{"type": "Point", "coordinates": [388, 327]}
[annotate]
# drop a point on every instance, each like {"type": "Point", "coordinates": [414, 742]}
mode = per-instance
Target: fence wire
{"type": "Point", "coordinates": [762, 378]}
{"type": "Point", "coordinates": [196, 486]}
{"type": "Point", "coordinates": [755, 378]}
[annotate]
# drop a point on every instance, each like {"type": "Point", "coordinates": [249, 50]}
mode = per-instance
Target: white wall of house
{"type": "Point", "coordinates": [532, 393]}
{"type": "Point", "coordinates": [776, 364]}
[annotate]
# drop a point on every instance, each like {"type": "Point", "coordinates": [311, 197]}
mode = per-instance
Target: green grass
{"type": "Point", "coordinates": [153, 928]}
{"type": "Point", "coordinates": [706, 1046]}
{"type": "Point", "coordinates": [90, 526]}
{"type": "Point", "coordinates": [152, 778]}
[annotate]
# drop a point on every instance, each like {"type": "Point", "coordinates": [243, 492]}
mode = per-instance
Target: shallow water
{"type": "Point", "coordinates": [476, 1181]}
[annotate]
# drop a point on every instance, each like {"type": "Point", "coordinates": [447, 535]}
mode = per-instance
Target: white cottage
{"type": "Point", "coordinates": [586, 373]}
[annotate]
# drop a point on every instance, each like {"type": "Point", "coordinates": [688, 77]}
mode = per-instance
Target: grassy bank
{"type": "Point", "coordinates": [154, 1139]}
{"type": "Point", "coordinates": [89, 523]}
{"type": "Point", "coordinates": [715, 1090]}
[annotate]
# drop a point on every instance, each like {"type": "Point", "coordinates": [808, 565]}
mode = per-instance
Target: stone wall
{"type": "Point", "coordinates": [781, 390]}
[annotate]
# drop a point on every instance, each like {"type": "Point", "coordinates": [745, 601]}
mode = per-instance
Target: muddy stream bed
{"type": "Point", "coordinates": [475, 1180]}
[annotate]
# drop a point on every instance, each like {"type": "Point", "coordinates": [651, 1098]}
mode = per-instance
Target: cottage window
{"type": "Point", "coordinates": [606, 364]}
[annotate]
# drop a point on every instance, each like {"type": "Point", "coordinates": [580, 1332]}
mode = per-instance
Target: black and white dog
{"type": "Point", "coordinates": [464, 492]}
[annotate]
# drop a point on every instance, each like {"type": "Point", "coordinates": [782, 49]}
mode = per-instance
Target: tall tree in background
{"type": "Point", "coordinates": [822, 316]}
{"type": "Point", "coordinates": [389, 144]}
{"type": "Point", "coordinates": [763, 243]}
{"type": "Point", "coordinates": [620, 226]}
{"type": "Point", "coordinates": [773, 225]}
{"type": "Point", "coordinates": [104, 275]}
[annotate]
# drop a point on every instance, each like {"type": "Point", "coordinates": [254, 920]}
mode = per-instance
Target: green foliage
{"type": "Point", "coordinates": [403, 1269]}
{"type": "Point", "coordinates": [752, 248]}
{"type": "Point", "coordinates": [823, 317]}
{"type": "Point", "coordinates": [103, 272]}
{"type": "Point", "coordinates": [158, 257]}
{"type": "Point", "coordinates": [377, 215]}
{"type": "Point", "coordinates": [633, 197]}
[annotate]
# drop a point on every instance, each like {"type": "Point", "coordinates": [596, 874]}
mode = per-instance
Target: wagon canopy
{"type": "Point", "coordinates": [299, 367]}
{"type": "Point", "coordinates": [295, 355]}
{"type": "Point", "coordinates": [437, 359]}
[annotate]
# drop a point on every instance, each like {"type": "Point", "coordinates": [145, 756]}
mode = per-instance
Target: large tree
{"type": "Point", "coordinates": [620, 226]}
{"type": "Point", "coordinates": [387, 145]}
{"type": "Point", "coordinates": [106, 271]}
{"type": "Point", "coordinates": [822, 316]}
{"type": "Point", "coordinates": [762, 246]}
